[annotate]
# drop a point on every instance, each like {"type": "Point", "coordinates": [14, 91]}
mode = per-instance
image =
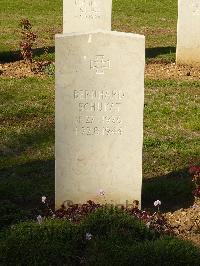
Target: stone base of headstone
{"type": "Point", "coordinates": [188, 56]}
{"type": "Point", "coordinates": [99, 117]}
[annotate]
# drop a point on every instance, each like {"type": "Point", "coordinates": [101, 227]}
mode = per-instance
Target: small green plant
{"type": "Point", "coordinates": [28, 40]}
{"type": "Point", "coordinates": [49, 69]}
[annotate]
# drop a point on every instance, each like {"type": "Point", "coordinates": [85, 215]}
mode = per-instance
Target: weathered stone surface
{"type": "Point", "coordinates": [99, 117]}
{"type": "Point", "coordinates": [86, 15]}
{"type": "Point", "coordinates": [188, 37]}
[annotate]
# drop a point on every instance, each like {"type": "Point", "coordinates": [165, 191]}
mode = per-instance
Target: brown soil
{"type": "Point", "coordinates": [21, 69]}
{"type": "Point", "coordinates": [186, 222]}
{"type": "Point", "coordinates": [172, 71]}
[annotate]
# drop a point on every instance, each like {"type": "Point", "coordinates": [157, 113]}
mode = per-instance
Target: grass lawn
{"type": "Point", "coordinates": [45, 17]}
{"type": "Point", "coordinates": [171, 123]}
{"type": "Point", "coordinates": [27, 139]}
{"type": "Point", "coordinates": [155, 19]}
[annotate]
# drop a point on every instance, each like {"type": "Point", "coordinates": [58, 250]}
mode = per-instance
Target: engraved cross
{"type": "Point", "coordinates": [100, 64]}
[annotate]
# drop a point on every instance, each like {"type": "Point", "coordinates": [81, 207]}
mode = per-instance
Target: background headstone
{"type": "Point", "coordinates": [99, 117]}
{"type": "Point", "coordinates": [188, 37]}
{"type": "Point", "coordinates": [86, 15]}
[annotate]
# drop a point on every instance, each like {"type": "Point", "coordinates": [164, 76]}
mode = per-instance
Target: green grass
{"type": "Point", "coordinates": [155, 19]}
{"type": "Point", "coordinates": [171, 141]}
{"type": "Point", "coordinates": [45, 17]}
{"type": "Point", "coordinates": [27, 140]}
{"type": "Point", "coordinates": [171, 125]}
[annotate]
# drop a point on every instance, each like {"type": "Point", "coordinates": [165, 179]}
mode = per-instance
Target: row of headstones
{"type": "Point", "coordinates": [99, 107]}
{"type": "Point", "coordinates": [90, 15]}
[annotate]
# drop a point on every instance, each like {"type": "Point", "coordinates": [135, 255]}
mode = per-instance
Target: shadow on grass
{"type": "Point", "coordinates": [9, 56]}
{"type": "Point", "coordinates": [158, 51]}
{"type": "Point", "coordinates": [26, 141]}
{"type": "Point", "coordinates": [26, 181]}
{"type": "Point", "coordinates": [24, 184]}
{"type": "Point", "coordinates": [174, 190]}
{"type": "Point", "coordinates": [21, 189]}
{"type": "Point", "coordinates": [13, 56]}
{"type": "Point", "coordinates": [41, 51]}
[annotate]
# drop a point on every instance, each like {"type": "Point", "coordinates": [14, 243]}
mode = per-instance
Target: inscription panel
{"type": "Point", "coordinates": [99, 112]}
{"type": "Point", "coordinates": [88, 9]}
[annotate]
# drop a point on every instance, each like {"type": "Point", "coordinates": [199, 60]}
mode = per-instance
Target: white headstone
{"type": "Point", "coordinates": [99, 117]}
{"type": "Point", "coordinates": [86, 15]}
{"type": "Point", "coordinates": [188, 37]}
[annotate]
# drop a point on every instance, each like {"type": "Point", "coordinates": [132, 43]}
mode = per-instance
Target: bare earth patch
{"type": "Point", "coordinates": [186, 222]}
{"type": "Point", "coordinates": [172, 71]}
{"type": "Point", "coordinates": [22, 69]}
